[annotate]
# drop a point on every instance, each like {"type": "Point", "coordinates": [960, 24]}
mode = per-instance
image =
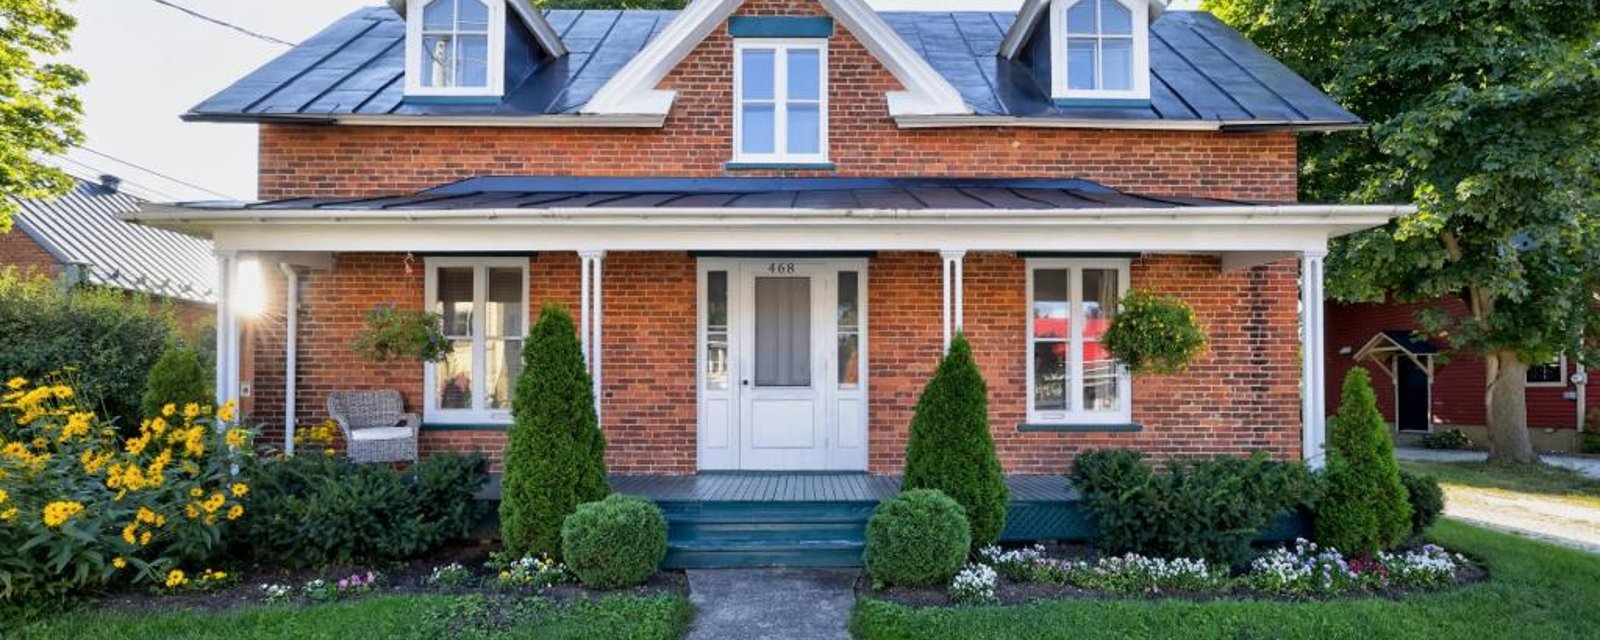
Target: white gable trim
{"type": "Point", "coordinates": [633, 91]}
{"type": "Point", "coordinates": [1033, 13]}
{"type": "Point", "coordinates": [533, 18]}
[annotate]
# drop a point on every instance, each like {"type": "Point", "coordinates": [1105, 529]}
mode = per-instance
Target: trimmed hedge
{"type": "Point", "coordinates": [1364, 509]}
{"type": "Point", "coordinates": [179, 378]}
{"type": "Point", "coordinates": [614, 543]}
{"type": "Point", "coordinates": [1426, 500]}
{"type": "Point", "coordinates": [1210, 509]}
{"type": "Point", "coordinates": [555, 452]}
{"type": "Point", "coordinates": [950, 448]}
{"type": "Point", "coordinates": [916, 539]}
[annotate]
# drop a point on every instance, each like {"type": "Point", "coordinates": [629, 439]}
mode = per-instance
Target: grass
{"type": "Point", "coordinates": [1535, 590]}
{"type": "Point", "coordinates": [1535, 479]}
{"type": "Point", "coordinates": [389, 617]}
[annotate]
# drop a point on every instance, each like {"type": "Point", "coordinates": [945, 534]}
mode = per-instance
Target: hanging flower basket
{"type": "Point", "coordinates": [1154, 334]}
{"type": "Point", "coordinates": [393, 334]}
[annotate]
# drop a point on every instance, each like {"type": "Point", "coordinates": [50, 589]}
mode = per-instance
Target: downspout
{"type": "Point", "coordinates": [1581, 379]}
{"type": "Point", "coordinates": [291, 305]}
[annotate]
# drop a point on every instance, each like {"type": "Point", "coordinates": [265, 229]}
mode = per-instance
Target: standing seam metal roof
{"type": "Point", "coordinates": [1202, 71]}
{"type": "Point", "coordinates": [83, 227]}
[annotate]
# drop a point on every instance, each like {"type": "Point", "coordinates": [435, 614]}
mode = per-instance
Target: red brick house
{"type": "Point", "coordinates": [771, 215]}
{"type": "Point", "coordinates": [1424, 388]}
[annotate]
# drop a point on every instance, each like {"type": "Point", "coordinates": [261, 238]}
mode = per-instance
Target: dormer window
{"type": "Point", "coordinates": [1101, 51]}
{"type": "Point", "coordinates": [455, 48]}
{"type": "Point", "coordinates": [781, 95]}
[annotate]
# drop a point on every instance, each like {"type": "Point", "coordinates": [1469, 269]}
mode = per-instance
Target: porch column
{"type": "Point", "coordinates": [1313, 400]}
{"type": "Point", "coordinates": [954, 292]}
{"type": "Point", "coordinates": [590, 311]}
{"type": "Point", "coordinates": [227, 381]}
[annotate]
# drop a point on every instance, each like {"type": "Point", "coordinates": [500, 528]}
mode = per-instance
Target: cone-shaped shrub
{"type": "Point", "coordinates": [1364, 508]}
{"type": "Point", "coordinates": [951, 449]}
{"type": "Point", "coordinates": [555, 452]}
{"type": "Point", "coordinates": [177, 378]}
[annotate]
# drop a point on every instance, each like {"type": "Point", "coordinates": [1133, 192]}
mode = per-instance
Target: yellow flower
{"type": "Point", "coordinates": [169, 409]}
{"type": "Point", "coordinates": [118, 562]}
{"type": "Point", "coordinates": [61, 391]}
{"type": "Point", "coordinates": [8, 515]}
{"type": "Point", "coordinates": [77, 425]}
{"type": "Point", "coordinates": [214, 502]}
{"type": "Point", "coordinates": [196, 492]}
{"type": "Point", "coordinates": [16, 383]}
{"type": "Point", "coordinates": [191, 510]}
{"type": "Point", "coordinates": [237, 438]}
{"type": "Point", "coordinates": [56, 513]}
{"type": "Point", "coordinates": [144, 538]}
{"type": "Point", "coordinates": [175, 579]}
{"type": "Point", "coordinates": [136, 446]}
{"type": "Point", "coordinates": [158, 426]}
{"type": "Point", "coordinates": [191, 410]}
{"type": "Point", "coordinates": [147, 516]}
{"type": "Point", "coordinates": [235, 512]}
{"type": "Point", "coordinates": [239, 489]}
{"type": "Point", "coordinates": [130, 533]}
{"type": "Point", "coordinates": [4, 496]}
{"type": "Point", "coordinates": [228, 411]}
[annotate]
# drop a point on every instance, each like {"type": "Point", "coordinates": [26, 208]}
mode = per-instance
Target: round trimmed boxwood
{"type": "Point", "coordinates": [1426, 498]}
{"type": "Point", "coordinates": [917, 539]}
{"type": "Point", "coordinates": [614, 543]}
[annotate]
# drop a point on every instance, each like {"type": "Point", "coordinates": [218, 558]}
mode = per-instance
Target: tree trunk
{"type": "Point", "coordinates": [1507, 405]}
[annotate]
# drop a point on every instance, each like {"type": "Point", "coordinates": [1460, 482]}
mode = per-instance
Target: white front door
{"type": "Point", "coordinates": [783, 372]}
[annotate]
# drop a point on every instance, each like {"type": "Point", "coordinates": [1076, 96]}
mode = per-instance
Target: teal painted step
{"type": "Point", "coordinates": [748, 534]}
{"type": "Point", "coordinates": [722, 554]}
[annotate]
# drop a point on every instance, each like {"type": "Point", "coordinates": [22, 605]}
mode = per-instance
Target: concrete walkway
{"type": "Point", "coordinates": [1584, 465]}
{"type": "Point", "coordinates": [772, 604]}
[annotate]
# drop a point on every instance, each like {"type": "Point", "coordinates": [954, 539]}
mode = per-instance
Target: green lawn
{"type": "Point", "coordinates": [1536, 591]}
{"type": "Point", "coordinates": [1537, 479]}
{"type": "Point", "coordinates": [388, 617]}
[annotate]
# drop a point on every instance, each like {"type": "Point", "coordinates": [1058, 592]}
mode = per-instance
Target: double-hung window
{"type": "Point", "coordinates": [1552, 373]}
{"type": "Point", "coordinates": [1071, 377]}
{"type": "Point", "coordinates": [1102, 51]}
{"type": "Point", "coordinates": [484, 307]}
{"type": "Point", "coordinates": [455, 48]}
{"type": "Point", "coordinates": [781, 91]}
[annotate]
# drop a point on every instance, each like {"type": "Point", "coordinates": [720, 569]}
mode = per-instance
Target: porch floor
{"type": "Point", "coordinates": [808, 487]}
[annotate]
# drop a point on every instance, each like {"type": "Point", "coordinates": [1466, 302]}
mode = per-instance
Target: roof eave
{"type": "Point", "coordinates": [943, 121]}
{"type": "Point", "coordinates": [559, 120]}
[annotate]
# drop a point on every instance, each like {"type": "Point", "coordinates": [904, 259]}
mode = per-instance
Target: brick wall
{"type": "Point", "coordinates": [1242, 396]}
{"type": "Point", "coordinates": [19, 250]}
{"type": "Point", "coordinates": [697, 140]}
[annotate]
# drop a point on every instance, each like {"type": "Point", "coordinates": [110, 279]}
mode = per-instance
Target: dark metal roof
{"type": "Point", "coordinates": [513, 192]}
{"type": "Point", "coordinates": [1409, 341]}
{"type": "Point", "coordinates": [83, 228]}
{"type": "Point", "coordinates": [1204, 71]}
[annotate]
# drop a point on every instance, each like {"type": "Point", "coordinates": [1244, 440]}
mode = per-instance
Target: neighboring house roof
{"type": "Point", "coordinates": [609, 194]}
{"type": "Point", "coordinates": [1205, 75]}
{"type": "Point", "coordinates": [83, 228]}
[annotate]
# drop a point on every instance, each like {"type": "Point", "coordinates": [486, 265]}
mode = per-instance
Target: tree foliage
{"type": "Point", "coordinates": [555, 452]}
{"type": "Point", "coordinates": [1484, 114]}
{"type": "Point", "coordinates": [39, 109]}
{"type": "Point", "coordinates": [1364, 508]}
{"type": "Point", "coordinates": [178, 377]}
{"type": "Point", "coordinates": [950, 448]}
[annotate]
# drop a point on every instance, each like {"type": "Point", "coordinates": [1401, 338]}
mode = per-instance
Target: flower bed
{"type": "Point", "coordinates": [1303, 571]}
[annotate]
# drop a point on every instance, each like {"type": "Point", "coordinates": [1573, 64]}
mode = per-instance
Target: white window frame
{"type": "Point", "coordinates": [1562, 360]}
{"type": "Point", "coordinates": [780, 97]}
{"type": "Point", "coordinates": [480, 413]}
{"type": "Point", "coordinates": [1141, 54]}
{"type": "Point", "coordinates": [1077, 415]}
{"type": "Point", "coordinates": [497, 54]}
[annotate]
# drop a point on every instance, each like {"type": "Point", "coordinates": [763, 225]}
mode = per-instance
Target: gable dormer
{"type": "Point", "coordinates": [1090, 53]}
{"type": "Point", "coordinates": [469, 50]}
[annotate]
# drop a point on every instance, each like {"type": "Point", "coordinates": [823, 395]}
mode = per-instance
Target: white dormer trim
{"type": "Point", "coordinates": [633, 90]}
{"type": "Point", "coordinates": [1032, 14]}
{"type": "Point", "coordinates": [496, 71]}
{"type": "Point", "coordinates": [1139, 67]}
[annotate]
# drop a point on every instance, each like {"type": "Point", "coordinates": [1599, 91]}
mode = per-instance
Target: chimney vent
{"type": "Point", "coordinates": [110, 182]}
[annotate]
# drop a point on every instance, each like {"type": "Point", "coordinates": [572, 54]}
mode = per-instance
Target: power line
{"type": "Point", "coordinates": [91, 173]}
{"type": "Point", "coordinates": [157, 173]}
{"type": "Point", "coordinates": [223, 23]}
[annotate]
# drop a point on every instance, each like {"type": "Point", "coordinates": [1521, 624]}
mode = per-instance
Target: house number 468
{"type": "Point", "coordinates": [781, 268]}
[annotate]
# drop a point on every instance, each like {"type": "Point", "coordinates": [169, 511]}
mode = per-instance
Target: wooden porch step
{"type": "Point", "coordinates": [728, 554]}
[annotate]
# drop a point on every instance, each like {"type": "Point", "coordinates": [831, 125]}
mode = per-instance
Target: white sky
{"type": "Point", "coordinates": [148, 63]}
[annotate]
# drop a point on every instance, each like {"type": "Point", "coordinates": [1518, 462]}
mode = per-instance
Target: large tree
{"type": "Point", "coordinates": [1484, 113]}
{"type": "Point", "coordinates": [39, 108]}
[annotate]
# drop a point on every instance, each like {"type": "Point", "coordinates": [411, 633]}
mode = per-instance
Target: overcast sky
{"type": "Point", "coordinates": [148, 63]}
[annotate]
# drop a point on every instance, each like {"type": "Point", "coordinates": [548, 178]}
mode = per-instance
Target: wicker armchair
{"type": "Point", "coordinates": [376, 426]}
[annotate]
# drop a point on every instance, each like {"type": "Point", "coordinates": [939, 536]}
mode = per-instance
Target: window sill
{"type": "Point", "coordinates": [435, 427]}
{"type": "Point", "coordinates": [463, 99]}
{"type": "Point", "coordinates": [1129, 427]}
{"type": "Point", "coordinates": [1102, 103]}
{"type": "Point", "coordinates": [779, 166]}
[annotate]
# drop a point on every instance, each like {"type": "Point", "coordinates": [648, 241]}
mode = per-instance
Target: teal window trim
{"type": "Point", "coordinates": [1080, 428]}
{"type": "Point", "coordinates": [780, 27]}
{"type": "Point", "coordinates": [1102, 103]}
{"type": "Point", "coordinates": [429, 428]}
{"type": "Point", "coordinates": [779, 166]}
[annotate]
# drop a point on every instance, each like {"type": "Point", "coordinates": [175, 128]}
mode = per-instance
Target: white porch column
{"type": "Point", "coordinates": [227, 383]}
{"type": "Point", "coordinates": [591, 297]}
{"type": "Point", "coordinates": [1313, 398]}
{"type": "Point", "coordinates": [954, 292]}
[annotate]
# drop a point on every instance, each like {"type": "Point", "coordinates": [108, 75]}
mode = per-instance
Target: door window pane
{"type": "Point", "coordinates": [455, 300]}
{"type": "Point", "coordinates": [849, 330]}
{"type": "Point", "coordinates": [454, 377]}
{"type": "Point", "coordinates": [783, 332]}
{"type": "Point", "coordinates": [717, 330]}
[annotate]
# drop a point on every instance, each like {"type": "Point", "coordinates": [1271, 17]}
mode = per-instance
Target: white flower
{"type": "Point", "coordinates": [974, 584]}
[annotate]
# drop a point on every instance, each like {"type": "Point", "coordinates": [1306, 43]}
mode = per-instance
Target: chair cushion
{"type": "Point", "coordinates": [380, 433]}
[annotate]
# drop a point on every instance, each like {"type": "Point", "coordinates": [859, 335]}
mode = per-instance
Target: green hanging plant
{"type": "Point", "coordinates": [395, 334]}
{"type": "Point", "coordinates": [1154, 334]}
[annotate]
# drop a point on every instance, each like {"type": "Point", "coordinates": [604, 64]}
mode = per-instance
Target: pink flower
{"type": "Point", "coordinates": [344, 584]}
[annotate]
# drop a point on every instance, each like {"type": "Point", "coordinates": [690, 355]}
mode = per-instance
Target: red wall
{"type": "Point", "coordinates": [20, 251]}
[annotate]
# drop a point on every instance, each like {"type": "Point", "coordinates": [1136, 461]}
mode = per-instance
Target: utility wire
{"type": "Point", "coordinates": [157, 173]}
{"type": "Point", "coordinates": [91, 173]}
{"type": "Point", "coordinates": [223, 23]}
